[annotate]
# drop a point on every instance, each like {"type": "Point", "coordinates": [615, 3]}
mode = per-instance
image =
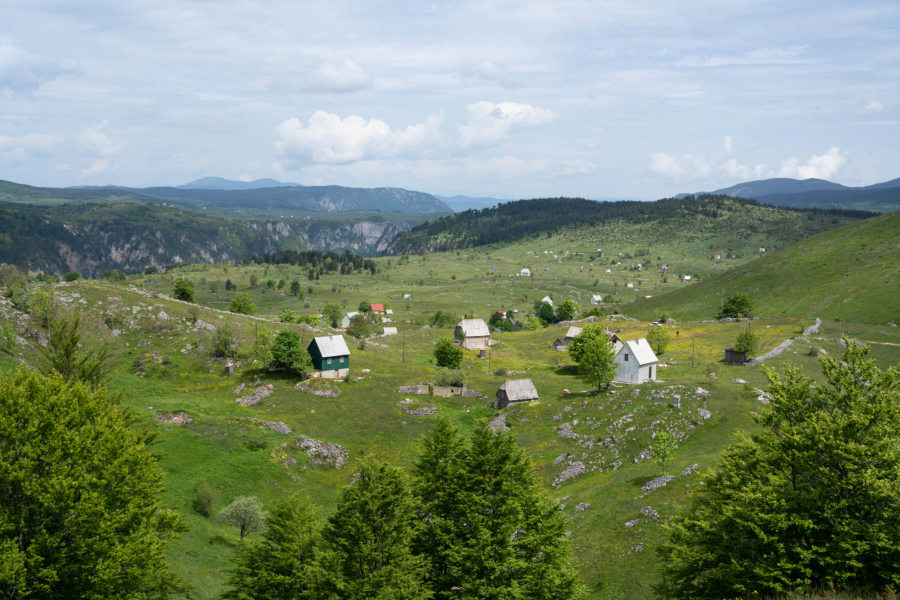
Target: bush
{"type": "Point", "coordinates": [183, 290]}
{"type": "Point", "coordinates": [358, 328]}
{"type": "Point", "coordinates": [446, 354]}
{"type": "Point", "coordinates": [203, 498]}
{"type": "Point", "coordinates": [223, 343]}
{"type": "Point", "coordinates": [736, 306]}
{"type": "Point", "coordinates": [747, 341]}
{"type": "Point", "coordinates": [444, 319]}
{"type": "Point", "coordinates": [243, 304]}
{"type": "Point", "coordinates": [658, 338]}
{"type": "Point", "coordinates": [454, 377]}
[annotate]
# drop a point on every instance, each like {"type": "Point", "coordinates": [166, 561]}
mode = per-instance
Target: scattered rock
{"type": "Point", "coordinates": [676, 401]}
{"type": "Point", "coordinates": [498, 423]}
{"type": "Point", "coordinates": [323, 453]}
{"type": "Point", "coordinates": [704, 414]}
{"type": "Point", "coordinates": [273, 425]}
{"type": "Point", "coordinates": [689, 470]}
{"type": "Point", "coordinates": [573, 470]}
{"type": "Point", "coordinates": [173, 418]}
{"type": "Point", "coordinates": [560, 458]}
{"type": "Point", "coordinates": [659, 482]}
{"type": "Point", "coordinates": [632, 522]}
{"type": "Point", "coordinates": [263, 391]}
{"type": "Point", "coordinates": [566, 432]}
{"type": "Point", "coordinates": [239, 389]}
{"type": "Point", "coordinates": [644, 455]}
{"type": "Point", "coordinates": [425, 411]}
{"type": "Point", "coordinates": [650, 513]}
{"type": "Point", "coordinates": [813, 329]}
{"type": "Point", "coordinates": [326, 392]}
{"type": "Point", "coordinates": [738, 380]}
{"type": "Point", "coordinates": [583, 506]}
{"type": "Point", "coordinates": [701, 392]}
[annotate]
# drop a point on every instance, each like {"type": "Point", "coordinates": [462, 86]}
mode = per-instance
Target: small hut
{"type": "Point", "coordinates": [596, 299]}
{"type": "Point", "coordinates": [330, 356]}
{"type": "Point", "coordinates": [733, 357]}
{"type": "Point", "coordinates": [472, 334]}
{"type": "Point", "coordinates": [345, 321]}
{"type": "Point", "coordinates": [636, 362]}
{"type": "Point", "coordinates": [513, 391]}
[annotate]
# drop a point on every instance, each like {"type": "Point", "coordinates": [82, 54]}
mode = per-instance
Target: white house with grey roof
{"type": "Point", "coordinates": [473, 334]}
{"type": "Point", "coordinates": [636, 362]}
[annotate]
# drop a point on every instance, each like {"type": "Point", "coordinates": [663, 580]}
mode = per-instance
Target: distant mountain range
{"type": "Point", "coordinates": [234, 198]}
{"type": "Point", "coordinates": [817, 193]}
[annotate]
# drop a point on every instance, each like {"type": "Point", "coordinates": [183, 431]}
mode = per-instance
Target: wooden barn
{"type": "Point", "coordinates": [330, 356]}
{"type": "Point", "coordinates": [515, 390]}
{"type": "Point", "coordinates": [636, 362]}
{"type": "Point", "coordinates": [473, 334]}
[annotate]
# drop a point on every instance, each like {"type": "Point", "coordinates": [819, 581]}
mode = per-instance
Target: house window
{"type": "Point", "coordinates": [329, 361]}
{"type": "Point", "coordinates": [626, 358]}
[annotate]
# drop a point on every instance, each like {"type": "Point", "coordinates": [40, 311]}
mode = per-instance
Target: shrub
{"type": "Point", "coordinates": [203, 498]}
{"type": "Point", "coordinates": [444, 319]}
{"type": "Point", "coordinates": [183, 290]}
{"type": "Point", "coordinates": [747, 341]}
{"type": "Point", "coordinates": [736, 306]}
{"type": "Point", "coordinates": [446, 354]}
{"type": "Point", "coordinates": [243, 304]}
{"type": "Point", "coordinates": [658, 338]}
{"type": "Point", "coordinates": [454, 377]}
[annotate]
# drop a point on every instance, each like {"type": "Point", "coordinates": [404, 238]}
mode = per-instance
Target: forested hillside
{"type": "Point", "coordinates": [528, 218]}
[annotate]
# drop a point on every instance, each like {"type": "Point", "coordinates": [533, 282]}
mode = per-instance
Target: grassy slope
{"type": "Point", "coordinates": [238, 459]}
{"type": "Point", "coordinates": [849, 274]}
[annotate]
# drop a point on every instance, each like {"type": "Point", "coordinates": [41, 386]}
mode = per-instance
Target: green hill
{"type": "Point", "coordinates": [850, 273]}
{"type": "Point", "coordinates": [718, 217]}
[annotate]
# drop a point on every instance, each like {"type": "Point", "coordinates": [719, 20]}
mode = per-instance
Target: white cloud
{"type": "Point", "coordinates": [32, 145]}
{"type": "Point", "coordinates": [724, 168]}
{"type": "Point", "coordinates": [873, 106]}
{"type": "Point", "coordinates": [23, 73]}
{"type": "Point", "coordinates": [824, 166]}
{"type": "Point", "coordinates": [345, 76]}
{"type": "Point", "coordinates": [490, 123]}
{"type": "Point", "coordinates": [98, 166]}
{"type": "Point", "coordinates": [94, 140]}
{"type": "Point", "coordinates": [327, 138]}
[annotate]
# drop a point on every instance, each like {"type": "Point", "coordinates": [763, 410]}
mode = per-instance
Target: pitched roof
{"type": "Point", "coordinates": [548, 300]}
{"type": "Point", "coordinates": [331, 346]}
{"type": "Point", "coordinates": [390, 331]}
{"type": "Point", "coordinates": [373, 307]}
{"type": "Point", "coordinates": [641, 350]}
{"type": "Point", "coordinates": [573, 331]}
{"type": "Point", "coordinates": [519, 389]}
{"type": "Point", "coordinates": [474, 327]}
{"type": "Point", "coordinates": [350, 315]}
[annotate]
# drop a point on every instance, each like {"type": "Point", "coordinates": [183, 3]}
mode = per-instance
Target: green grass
{"type": "Point", "coordinates": [237, 458]}
{"type": "Point", "coordinates": [850, 274]}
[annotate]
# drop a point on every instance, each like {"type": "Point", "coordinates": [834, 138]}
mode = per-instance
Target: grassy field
{"type": "Point", "coordinates": [162, 364]}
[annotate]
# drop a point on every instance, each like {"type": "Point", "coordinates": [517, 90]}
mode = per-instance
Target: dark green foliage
{"type": "Point", "coordinates": [522, 219]}
{"type": "Point", "coordinates": [364, 307]}
{"type": "Point", "coordinates": [658, 338]}
{"type": "Point", "coordinates": [746, 341]}
{"type": "Point", "coordinates": [184, 290]}
{"type": "Point", "coordinates": [664, 444]}
{"type": "Point", "coordinates": [287, 316]}
{"type": "Point", "coordinates": [499, 321]}
{"type": "Point", "coordinates": [72, 276]}
{"type": "Point", "coordinates": [447, 354]}
{"type": "Point", "coordinates": [283, 564]}
{"type": "Point", "coordinates": [369, 538]}
{"type": "Point", "coordinates": [566, 311]}
{"type": "Point", "coordinates": [333, 313]}
{"type": "Point", "coordinates": [359, 327]}
{"type": "Point", "coordinates": [245, 513]}
{"type": "Point", "coordinates": [288, 353]}
{"type": "Point", "coordinates": [204, 497]}
{"type": "Point", "coordinates": [243, 304]}
{"type": "Point", "coordinates": [490, 531]}
{"type": "Point", "coordinates": [596, 362]}
{"type": "Point", "coordinates": [444, 319]}
{"type": "Point", "coordinates": [736, 306]}
{"type": "Point", "coordinates": [80, 515]}
{"type": "Point", "coordinates": [812, 500]}
{"type": "Point", "coordinates": [545, 313]}
{"type": "Point", "coordinates": [295, 288]}
{"type": "Point", "coordinates": [12, 277]}
{"type": "Point", "coordinates": [64, 353]}
{"type": "Point", "coordinates": [576, 346]}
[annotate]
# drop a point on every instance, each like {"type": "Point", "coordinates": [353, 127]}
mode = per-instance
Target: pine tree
{"type": "Point", "coordinates": [369, 536]}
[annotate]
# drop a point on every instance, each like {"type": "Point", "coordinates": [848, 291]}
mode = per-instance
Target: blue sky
{"type": "Point", "coordinates": [630, 99]}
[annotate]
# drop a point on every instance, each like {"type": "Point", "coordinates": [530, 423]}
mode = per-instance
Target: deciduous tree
{"type": "Point", "coordinates": [447, 354]}
{"type": "Point", "coordinates": [183, 290]}
{"type": "Point", "coordinates": [245, 513]}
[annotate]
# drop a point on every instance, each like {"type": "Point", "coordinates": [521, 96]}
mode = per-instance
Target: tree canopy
{"type": "Point", "coordinates": [447, 354]}
{"type": "Point", "coordinates": [288, 353]}
{"type": "Point", "coordinates": [736, 306]}
{"type": "Point", "coordinates": [243, 304]}
{"type": "Point", "coordinates": [812, 500]}
{"type": "Point", "coordinates": [183, 290]}
{"type": "Point", "coordinates": [80, 514]}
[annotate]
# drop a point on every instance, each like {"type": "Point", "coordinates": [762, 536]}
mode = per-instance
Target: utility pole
{"type": "Point", "coordinates": [404, 346]}
{"type": "Point", "coordinates": [693, 335]}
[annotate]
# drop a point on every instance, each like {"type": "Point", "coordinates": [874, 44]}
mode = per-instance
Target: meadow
{"type": "Point", "coordinates": [162, 364]}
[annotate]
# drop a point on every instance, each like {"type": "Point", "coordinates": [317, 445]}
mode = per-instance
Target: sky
{"type": "Point", "coordinates": [510, 99]}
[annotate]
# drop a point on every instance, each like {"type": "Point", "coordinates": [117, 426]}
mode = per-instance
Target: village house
{"type": "Point", "coordinates": [330, 356]}
{"type": "Point", "coordinates": [596, 299]}
{"type": "Point", "coordinates": [390, 331]}
{"type": "Point", "coordinates": [636, 362]}
{"type": "Point", "coordinates": [345, 321]}
{"type": "Point", "coordinates": [377, 309]}
{"type": "Point", "coordinates": [407, 296]}
{"type": "Point", "coordinates": [548, 300]}
{"type": "Point", "coordinates": [513, 391]}
{"type": "Point", "coordinates": [616, 342]}
{"type": "Point", "coordinates": [473, 334]}
{"type": "Point", "coordinates": [562, 344]}
{"type": "Point", "coordinates": [525, 272]}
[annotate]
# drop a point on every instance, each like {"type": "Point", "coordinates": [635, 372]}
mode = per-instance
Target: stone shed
{"type": "Point", "coordinates": [513, 391]}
